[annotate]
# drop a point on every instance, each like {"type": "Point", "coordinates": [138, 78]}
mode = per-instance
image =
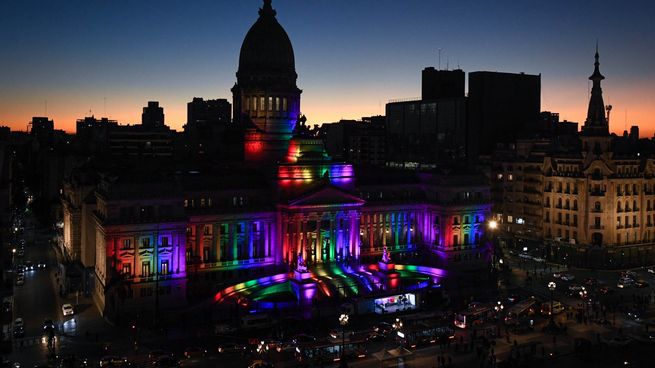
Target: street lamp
{"type": "Point", "coordinates": [343, 321]}
{"type": "Point", "coordinates": [493, 225]}
{"type": "Point", "coordinates": [552, 286]}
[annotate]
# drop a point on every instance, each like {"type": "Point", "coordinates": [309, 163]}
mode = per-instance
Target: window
{"type": "Point", "coordinates": [455, 240]}
{"type": "Point", "coordinates": [127, 269]}
{"type": "Point", "coordinates": [597, 206]}
{"type": "Point", "coordinates": [145, 268]}
{"type": "Point", "coordinates": [127, 243]}
{"type": "Point", "coordinates": [247, 103]}
{"type": "Point", "coordinates": [207, 230]}
{"type": "Point", "coordinates": [145, 242]}
{"type": "Point", "coordinates": [262, 104]}
{"type": "Point", "coordinates": [270, 104]}
{"type": "Point", "coordinates": [284, 104]}
{"type": "Point", "coordinates": [202, 202]}
{"type": "Point", "coordinates": [186, 203]}
{"type": "Point", "coordinates": [277, 104]}
{"type": "Point", "coordinates": [456, 220]}
{"type": "Point", "coordinates": [164, 267]}
{"type": "Point", "coordinates": [209, 202]}
{"type": "Point", "coordinates": [466, 239]}
{"type": "Point", "coordinates": [466, 219]}
{"type": "Point", "coordinates": [254, 103]}
{"type": "Point", "coordinates": [510, 218]}
{"type": "Point", "coordinates": [164, 241]}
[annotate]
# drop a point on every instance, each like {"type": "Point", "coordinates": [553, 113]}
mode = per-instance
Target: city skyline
{"type": "Point", "coordinates": [129, 54]}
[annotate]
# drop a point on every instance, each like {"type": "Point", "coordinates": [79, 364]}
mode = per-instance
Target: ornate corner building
{"type": "Point", "coordinates": [590, 195]}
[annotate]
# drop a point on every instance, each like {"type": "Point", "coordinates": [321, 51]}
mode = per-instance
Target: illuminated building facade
{"type": "Point", "coordinates": [594, 194]}
{"type": "Point", "coordinates": [164, 231]}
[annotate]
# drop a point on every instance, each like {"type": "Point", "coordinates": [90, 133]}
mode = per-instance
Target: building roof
{"type": "Point", "coordinates": [266, 47]}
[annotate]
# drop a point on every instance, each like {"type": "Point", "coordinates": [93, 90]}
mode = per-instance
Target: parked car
{"type": "Point", "coordinates": [630, 274]}
{"type": "Point", "coordinates": [232, 348]}
{"type": "Point", "coordinates": [576, 287]}
{"type": "Point", "coordinates": [19, 331]}
{"type": "Point", "coordinates": [194, 352]}
{"type": "Point", "coordinates": [625, 283]}
{"type": "Point", "coordinates": [20, 280]}
{"type": "Point", "coordinates": [113, 361]}
{"type": "Point", "coordinates": [567, 277]}
{"type": "Point", "coordinates": [641, 284]}
{"type": "Point", "coordinates": [67, 310]}
{"type": "Point", "coordinates": [48, 325]}
{"type": "Point", "coordinates": [651, 269]}
{"type": "Point", "coordinates": [383, 327]}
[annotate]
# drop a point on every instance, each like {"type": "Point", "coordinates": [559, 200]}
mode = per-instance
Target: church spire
{"type": "Point", "coordinates": [596, 123]}
{"type": "Point", "coordinates": [267, 9]}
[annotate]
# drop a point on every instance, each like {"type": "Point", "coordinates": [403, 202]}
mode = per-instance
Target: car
{"type": "Point", "coordinates": [276, 345]}
{"type": "Point", "coordinates": [641, 284]}
{"type": "Point", "coordinates": [629, 274]}
{"type": "Point", "coordinates": [375, 336]}
{"type": "Point", "coordinates": [539, 259]}
{"type": "Point", "coordinates": [67, 310]}
{"type": "Point", "coordinates": [48, 325]}
{"type": "Point", "coordinates": [383, 327]}
{"type": "Point", "coordinates": [113, 361]}
{"type": "Point", "coordinates": [260, 364]}
{"type": "Point", "coordinates": [20, 280]}
{"type": "Point", "coordinates": [232, 348]}
{"type": "Point", "coordinates": [513, 298]}
{"type": "Point", "coordinates": [41, 264]}
{"type": "Point", "coordinates": [618, 341]}
{"type": "Point", "coordinates": [625, 283]}
{"type": "Point", "coordinates": [651, 269]}
{"type": "Point", "coordinates": [194, 352]}
{"type": "Point", "coordinates": [557, 308]}
{"type": "Point", "coordinates": [166, 361]}
{"type": "Point", "coordinates": [153, 355]}
{"type": "Point", "coordinates": [576, 287]}
{"type": "Point", "coordinates": [18, 322]}
{"type": "Point", "coordinates": [525, 256]}
{"type": "Point", "coordinates": [567, 277]}
{"type": "Point", "coordinates": [29, 266]}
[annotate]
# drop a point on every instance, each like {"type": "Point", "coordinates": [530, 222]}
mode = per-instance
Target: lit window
{"type": "Point", "coordinates": [262, 101]}
{"type": "Point", "coordinates": [510, 219]}
{"type": "Point", "coordinates": [186, 203]}
{"type": "Point", "coordinates": [277, 104]}
{"type": "Point", "coordinates": [510, 177]}
{"type": "Point", "coordinates": [284, 104]}
{"type": "Point", "coordinates": [270, 104]}
{"type": "Point", "coordinates": [202, 202]}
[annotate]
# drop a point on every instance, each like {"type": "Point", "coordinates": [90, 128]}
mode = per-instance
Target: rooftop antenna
{"type": "Point", "coordinates": [458, 64]}
{"type": "Point", "coordinates": [440, 58]}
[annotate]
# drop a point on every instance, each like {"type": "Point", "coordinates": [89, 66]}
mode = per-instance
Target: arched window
{"type": "Point", "coordinates": [568, 203]}
{"type": "Point", "coordinates": [634, 206]}
{"type": "Point", "coordinates": [575, 204]}
{"type": "Point", "coordinates": [618, 206]}
{"type": "Point", "coordinates": [597, 206]}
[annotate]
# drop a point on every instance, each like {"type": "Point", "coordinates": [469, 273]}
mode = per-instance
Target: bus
{"type": "Point", "coordinates": [422, 334]}
{"type": "Point", "coordinates": [329, 352]}
{"type": "Point", "coordinates": [521, 310]}
{"type": "Point", "coordinates": [475, 314]}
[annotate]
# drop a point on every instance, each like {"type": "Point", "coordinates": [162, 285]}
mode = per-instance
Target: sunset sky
{"type": "Point", "coordinates": [351, 56]}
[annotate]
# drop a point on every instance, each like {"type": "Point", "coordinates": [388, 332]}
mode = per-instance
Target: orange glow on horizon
{"type": "Point", "coordinates": [636, 100]}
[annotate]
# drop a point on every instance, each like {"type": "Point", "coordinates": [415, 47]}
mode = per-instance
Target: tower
{"type": "Point", "coordinates": [266, 98]}
{"type": "Point", "coordinates": [595, 131]}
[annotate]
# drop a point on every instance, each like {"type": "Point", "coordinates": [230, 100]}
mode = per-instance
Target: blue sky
{"type": "Point", "coordinates": [351, 56]}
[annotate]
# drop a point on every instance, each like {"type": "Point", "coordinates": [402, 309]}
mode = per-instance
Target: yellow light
{"type": "Point", "coordinates": [493, 224]}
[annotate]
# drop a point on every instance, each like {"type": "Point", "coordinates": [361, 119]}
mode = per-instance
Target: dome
{"type": "Point", "coordinates": [267, 48]}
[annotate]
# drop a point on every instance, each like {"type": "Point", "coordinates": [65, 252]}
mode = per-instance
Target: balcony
{"type": "Point", "coordinates": [597, 227]}
{"type": "Point", "coordinates": [597, 193]}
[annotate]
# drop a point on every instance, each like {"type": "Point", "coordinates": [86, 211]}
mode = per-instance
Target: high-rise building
{"type": "Point", "coordinates": [500, 107]}
{"type": "Point", "coordinates": [209, 111]}
{"type": "Point", "coordinates": [442, 84]}
{"type": "Point", "coordinates": [153, 115]}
